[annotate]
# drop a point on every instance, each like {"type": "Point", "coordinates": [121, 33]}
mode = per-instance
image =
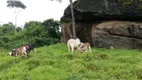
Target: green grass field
{"type": "Point", "coordinates": [54, 62]}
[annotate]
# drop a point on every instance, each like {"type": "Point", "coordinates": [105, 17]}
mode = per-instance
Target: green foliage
{"type": "Point", "coordinates": [7, 29]}
{"type": "Point", "coordinates": [44, 33]}
{"type": "Point", "coordinates": [18, 29]}
{"type": "Point", "coordinates": [125, 2]}
{"type": "Point", "coordinates": [52, 28]}
{"type": "Point", "coordinates": [34, 32]}
{"type": "Point", "coordinates": [76, 3]}
{"type": "Point", "coordinates": [15, 3]}
{"type": "Point", "coordinates": [54, 62]}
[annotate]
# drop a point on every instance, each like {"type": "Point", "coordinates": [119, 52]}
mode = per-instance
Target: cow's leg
{"type": "Point", "coordinates": [89, 48]}
{"type": "Point", "coordinates": [86, 49]}
{"type": "Point", "coordinates": [16, 53]}
{"type": "Point", "coordinates": [27, 56]}
{"type": "Point", "coordinates": [26, 53]}
{"type": "Point", "coordinates": [23, 54]}
{"type": "Point", "coordinates": [69, 48]}
{"type": "Point", "coordinates": [72, 49]}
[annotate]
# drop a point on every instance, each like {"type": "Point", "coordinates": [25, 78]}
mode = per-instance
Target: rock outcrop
{"type": "Point", "coordinates": [119, 34]}
{"type": "Point", "coordinates": [106, 23]}
{"type": "Point", "coordinates": [94, 10]}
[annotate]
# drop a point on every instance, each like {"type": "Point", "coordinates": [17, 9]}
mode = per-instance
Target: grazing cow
{"type": "Point", "coordinates": [84, 47]}
{"type": "Point", "coordinates": [22, 50]}
{"type": "Point", "coordinates": [73, 43]}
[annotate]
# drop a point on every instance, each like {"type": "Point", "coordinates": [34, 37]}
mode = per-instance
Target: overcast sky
{"type": "Point", "coordinates": [37, 10]}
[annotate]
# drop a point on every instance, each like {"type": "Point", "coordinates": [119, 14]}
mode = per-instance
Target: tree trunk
{"type": "Point", "coordinates": [73, 20]}
{"type": "Point", "coordinates": [15, 24]}
{"type": "Point", "coordinates": [16, 13]}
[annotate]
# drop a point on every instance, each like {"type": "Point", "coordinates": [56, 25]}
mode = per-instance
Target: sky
{"type": "Point", "coordinates": [37, 10]}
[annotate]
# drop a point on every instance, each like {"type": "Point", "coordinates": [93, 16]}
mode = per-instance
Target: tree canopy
{"type": "Point", "coordinates": [15, 3]}
{"type": "Point", "coordinates": [34, 32]}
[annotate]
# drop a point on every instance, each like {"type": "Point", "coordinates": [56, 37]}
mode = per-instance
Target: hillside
{"type": "Point", "coordinates": [54, 62]}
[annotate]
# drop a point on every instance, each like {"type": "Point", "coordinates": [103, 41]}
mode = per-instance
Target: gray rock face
{"type": "Point", "coordinates": [106, 23]}
{"type": "Point", "coordinates": [94, 10]}
{"type": "Point", "coordinates": [119, 34]}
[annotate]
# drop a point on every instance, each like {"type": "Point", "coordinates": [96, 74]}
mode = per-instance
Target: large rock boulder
{"type": "Point", "coordinates": [94, 10]}
{"type": "Point", "coordinates": [119, 34]}
{"type": "Point", "coordinates": [106, 23]}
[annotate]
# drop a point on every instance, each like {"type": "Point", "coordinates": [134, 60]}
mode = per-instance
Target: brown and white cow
{"type": "Point", "coordinates": [84, 47]}
{"type": "Point", "coordinates": [23, 50]}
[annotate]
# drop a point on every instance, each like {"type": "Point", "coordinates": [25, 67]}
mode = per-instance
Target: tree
{"type": "Point", "coordinates": [52, 28]}
{"type": "Point", "coordinates": [41, 33]}
{"type": "Point", "coordinates": [7, 29]}
{"type": "Point", "coordinates": [18, 29]}
{"type": "Point", "coordinates": [73, 20]}
{"type": "Point", "coordinates": [15, 4]}
{"type": "Point", "coordinates": [72, 15]}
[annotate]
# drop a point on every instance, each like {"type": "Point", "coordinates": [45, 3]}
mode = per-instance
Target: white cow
{"type": "Point", "coordinates": [73, 43]}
